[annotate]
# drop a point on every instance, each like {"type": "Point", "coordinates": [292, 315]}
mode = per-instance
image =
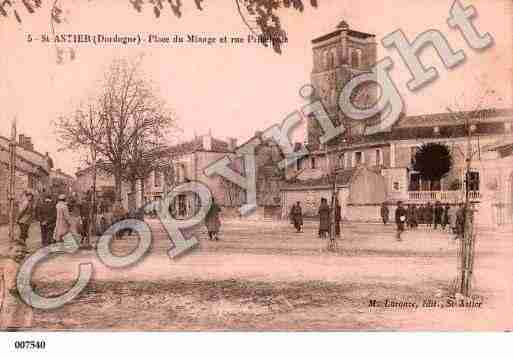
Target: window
{"type": "Point", "coordinates": [355, 58]}
{"type": "Point", "coordinates": [473, 181]}
{"type": "Point", "coordinates": [414, 182]}
{"type": "Point", "coordinates": [182, 207]}
{"type": "Point", "coordinates": [157, 178]}
{"type": "Point", "coordinates": [341, 161]}
{"type": "Point", "coordinates": [299, 164]}
{"type": "Point", "coordinates": [413, 153]}
{"type": "Point", "coordinates": [358, 158]}
{"type": "Point", "coordinates": [30, 181]}
{"type": "Point", "coordinates": [378, 157]}
{"type": "Point", "coordinates": [313, 163]}
{"type": "Point", "coordinates": [395, 186]}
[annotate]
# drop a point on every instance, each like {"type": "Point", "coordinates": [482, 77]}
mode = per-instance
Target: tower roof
{"type": "Point", "coordinates": [343, 25]}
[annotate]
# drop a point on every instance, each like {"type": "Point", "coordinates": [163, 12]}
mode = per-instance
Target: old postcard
{"type": "Point", "coordinates": [254, 165]}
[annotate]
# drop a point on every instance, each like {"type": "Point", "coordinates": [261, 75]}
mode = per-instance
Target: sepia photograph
{"type": "Point", "coordinates": [254, 166]}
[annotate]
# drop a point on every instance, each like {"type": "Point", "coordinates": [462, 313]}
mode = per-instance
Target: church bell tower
{"type": "Point", "coordinates": [337, 57]}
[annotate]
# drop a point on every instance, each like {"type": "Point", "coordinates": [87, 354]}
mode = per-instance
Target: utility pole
{"type": "Point", "coordinates": [12, 181]}
{"type": "Point", "coordinates": [92, 210]}
{"type": "Point", "coordinates": [468, 241]}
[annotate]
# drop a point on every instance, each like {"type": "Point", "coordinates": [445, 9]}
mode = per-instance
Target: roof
{"type": "Point", "coordinates": [26, 158]}
{"type": "Point", "coordinates": [449, 125]}
{"type": "Point", "coordinates": [451, 118]}
{"type": "Point", "coordinates": [352, 33]}
{"type": "Point", "coordinates": [197, 145]}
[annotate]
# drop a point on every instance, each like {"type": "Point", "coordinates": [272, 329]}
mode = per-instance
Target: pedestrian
{"type": "Point", "coordinates": [63, 223]}
{"type": "Point", "coordinates": [460, 222]}
{"type": "Point", "coordinates": [26, 215]}
{"type": "Point", "coordinates": [212, 221]}
{"type": "Point", "coordinates": [384, 213]}
{"type": "Point", "coordinates": [338, 217]}
{"type": "Point", "coordinates": [445, 216]}
{"type": "Point", "coordinates": [400, 219]}
{"type": "Point", "coordinates": [296, 216]}
{"type": "Point", "coordinates": [414, 215]}
{"type": "Point", "coordinates": [409, 215]}
{"type": "Point", "coordinates": [85, 213]}
{"type": "Point", "coordinates": [438, 212]}
{"type": "Point", "coordinates": [452, 218]}
{"type": "Point", "coordinates": [324, 218]}
{"type": "Point", "coordinates": [420, 214]}
{"type": "Point", "coordinates": [118, 214]}
{"type": "Point", "coordinates": [46, 214]}
{"type": "Point", "coordinates": [428, 215]}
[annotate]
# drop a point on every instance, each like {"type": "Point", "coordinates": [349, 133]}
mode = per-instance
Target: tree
{"type": "Point", "coordinates": [432, 161]}
{"type": "Point", "coordinates": [125, 130]}
{"type": "Point", "coordinates": [144, 157]}
{"type": "Point", "coordinates": [261, 16]}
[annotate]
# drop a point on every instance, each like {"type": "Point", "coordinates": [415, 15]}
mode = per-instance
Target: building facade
{"type": "Point", "coordinates": [187, 162]}
{"type": "Point", "coordinates": [32, 172]}
{"type": "Point", "coordinates": [377, 168]}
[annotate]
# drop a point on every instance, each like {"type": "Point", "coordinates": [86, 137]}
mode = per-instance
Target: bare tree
{"type": "Point", "coordinates": [125, 130]}
{"type": "Point", "coordinates": [134, 116]}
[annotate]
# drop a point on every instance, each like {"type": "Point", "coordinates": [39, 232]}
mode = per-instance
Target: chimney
{"type": "Point", "coordinates": [258, 134]}
{"type": "Point", "coordinates": [207, 142]}
{"type": "Point", "coordinates": [232, 144]}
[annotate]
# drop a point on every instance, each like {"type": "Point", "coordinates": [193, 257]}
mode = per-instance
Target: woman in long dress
{"type": "Point", "coordinates": [212, 221]}
{"type": "Point", "coordinates": [324, 218]}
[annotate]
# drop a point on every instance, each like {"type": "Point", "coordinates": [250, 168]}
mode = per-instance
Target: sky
{"type": "Point", "coordinates": [233, 90]}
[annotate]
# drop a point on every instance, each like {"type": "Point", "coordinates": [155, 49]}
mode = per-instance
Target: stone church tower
{"type": "Point", "coordinates": [337, 57]}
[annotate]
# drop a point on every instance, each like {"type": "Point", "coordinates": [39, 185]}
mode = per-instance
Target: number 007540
{"type": "Point", "coordinates": [29, 344]}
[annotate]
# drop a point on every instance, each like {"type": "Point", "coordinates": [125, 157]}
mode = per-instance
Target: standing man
{"type": "Point", "coordinates": [296, 216]}
{"type": "Point", "coordinates": [414, 216]}
{"type": "Point", "coordinates": [460, 222]}
{"type": "Point", "coordinates": [438, 212]}
{"type": "Point", "coordinates": [445, 217]}
{"type": "Point", "coordinates": [85, 211]}
{"type": "Point", "coordinates": [421, 214]}
{"type": "Point", "coordinates": [63, 223]}
{"type": "Point", "coordinates": [26, 215]}
{"type": "Point", "coordinates": [338, 217]}
{"type": "Point", "coordinates": [400, 219]}
{"type": "Point", "coordinates": [324, 218]}
{"type": "Point", "coordinates": [384, 213]}
{"type": "Point", "coordinates": [46, 214]}
{"type": "Point", "coordinates": [212, 221]}
{"type": "Point", "coordinates": [118, 215]}
{"type": "Point", "coordinates": [429, 215]}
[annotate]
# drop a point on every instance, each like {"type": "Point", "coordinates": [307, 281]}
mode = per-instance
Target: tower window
{"type": "Point", "coordinates": [378, 157]}
{"type": "Point", "coordinates": [358, 158]}
{"type": "Point", "coordinates": [355, 58]}
{"type": "Point", "coordinates": [313, 163]}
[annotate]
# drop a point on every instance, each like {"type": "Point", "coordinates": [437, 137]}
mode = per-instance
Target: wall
{"type": "Point", "coordinates": [310, 200]}
{"type": "Point", "coordinates": [21, 185]}
{"type": "Point", "coordinates": [368, 213]}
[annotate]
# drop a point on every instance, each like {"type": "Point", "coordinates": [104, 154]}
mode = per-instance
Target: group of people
{"type": "Point", "coordinates": [296, 218]}
{"type": "Point", "coordinates": [441, 215]}
{"type": "Point", "coordinates": [54, 217]}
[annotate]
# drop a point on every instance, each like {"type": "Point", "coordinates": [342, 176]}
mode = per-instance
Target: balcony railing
{"type": "Point", "coordinates": [442, 196]}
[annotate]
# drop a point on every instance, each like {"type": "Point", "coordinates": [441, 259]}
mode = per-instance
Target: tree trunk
{"type": "Point", "coordinates": [142, 193]}
{"type": "Point", "coordinates": [118, 184]}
